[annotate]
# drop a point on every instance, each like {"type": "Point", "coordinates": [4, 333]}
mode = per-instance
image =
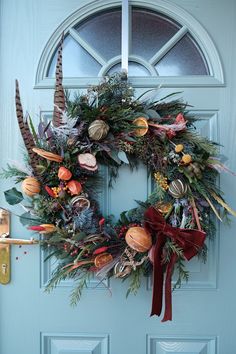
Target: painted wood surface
{"type": "Point", "coordinates": [32, 322]}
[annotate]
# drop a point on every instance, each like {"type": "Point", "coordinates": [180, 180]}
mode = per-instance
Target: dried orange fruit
{"type": "Point", "coordinates": [138, 239]}
{"type": "Point", "coordinates": [142, 125]}
{"type": "Point", "coordinates": [30, 186]}
{"type": "Point", "coordinates": [163, 207]}
{"type": "Point", "coordinates": [102, 259]}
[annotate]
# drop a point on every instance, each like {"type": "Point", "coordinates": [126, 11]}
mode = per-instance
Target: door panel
{"type": "Point", "coordinates": [105, 322]}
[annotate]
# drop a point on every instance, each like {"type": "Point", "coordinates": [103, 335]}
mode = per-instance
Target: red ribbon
{"type": "Point", "coordinates": [189, 240]}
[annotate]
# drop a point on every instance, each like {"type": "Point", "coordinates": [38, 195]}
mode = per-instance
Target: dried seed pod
{"type": "Point", "coordinates": [98, 130]}
{"type": "Point", "coordinates": [64, 174]}
{"type": "Point", "coordinates": [74, 187]}
{"type": "Point", "coordinates": [48, 155]}
{"type": "Point", "coordinates": [121, 271]}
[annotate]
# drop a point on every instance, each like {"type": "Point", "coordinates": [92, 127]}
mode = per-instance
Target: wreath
{"type": "Point", "coordinates": [108, 126]}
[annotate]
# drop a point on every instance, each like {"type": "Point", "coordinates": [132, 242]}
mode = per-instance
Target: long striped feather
{"type": "Point", "coordinates": [25, 130]}
{"type": "Point", "coordinates": [59, 96]}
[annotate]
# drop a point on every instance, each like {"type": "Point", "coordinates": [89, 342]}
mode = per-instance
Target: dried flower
{"type": "Point", "coordinates": [36, 228]}
{"type": "Point", "coordinates": [47, 228]}
{"type": "Point", "coordinates": [74, 187]}
{"type": "Point", "coordinates": [50, 191]}
{"type": "Point", "coordinates": [43, 228]}
{"type": "Point", "coordinates": [186, 159]}
{"type": "Point", "coordinates": [161, 180]}
{"type": "Point", "coordinates": [101, 222]}
{"type": "Point", "coordinates": [179, 148]}
{"type": "Point", "coordinates": [64, 174]}
{"type": "Point", "coordinates": [100, 250]}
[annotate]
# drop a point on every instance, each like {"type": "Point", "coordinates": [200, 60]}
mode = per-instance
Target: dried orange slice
{"type": "Point", "coordinates": [142, 125]}
{"type": "Point", "coordinates": [102, 259]}
{"type": "Point", "coordinates": [163, 207]}
{"type": "Point", "coordinates": [80, 203]}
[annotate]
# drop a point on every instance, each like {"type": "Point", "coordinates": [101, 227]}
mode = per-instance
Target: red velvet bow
{"type": "Point", "coordinates": [188, 239]}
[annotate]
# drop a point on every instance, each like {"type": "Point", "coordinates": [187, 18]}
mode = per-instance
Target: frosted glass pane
{"type": "Point", "coordinates": [135, 69]}
{"type": "Point", "coordinates": [103, 33]}
{"type": "Point", "coordinates": [76, 61]}
{"type": "Point", "coordinates": [183, 59]}
{"type": "Point", "coordinates": [150, 31]}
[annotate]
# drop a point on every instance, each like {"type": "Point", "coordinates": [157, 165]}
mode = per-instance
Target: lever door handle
{"type": "Point", "coordinates": [17, 241]}
{"type": "Point", "coordinates": [5, 246]}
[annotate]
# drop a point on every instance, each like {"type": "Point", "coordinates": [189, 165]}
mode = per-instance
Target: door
{"type": "Point", "coordinates": [195, 55]}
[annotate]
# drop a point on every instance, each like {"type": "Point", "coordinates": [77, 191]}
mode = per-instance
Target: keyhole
{"type": "Point", "coordinates": [4, 269]}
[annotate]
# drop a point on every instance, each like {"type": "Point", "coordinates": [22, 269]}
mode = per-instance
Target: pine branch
{"type": "Point", "coordinates": [135, 281]}
{"type": "Point", "coordinates": [78, 289]}
{"type": "Point", "coordinates": [157, 194]}
{"type": "Point", "coordinates": [200, 142]}
{"type": "Point", "coordinates": [12, 171]}
{"type": "Point", "coordinates": [58, 275]}
{"type": "Point", "coordinates": [170, 248]}
{"type": "Point", "coordinates": [183, 274]}
{"type": "Point", "coordinates": [202, 254]}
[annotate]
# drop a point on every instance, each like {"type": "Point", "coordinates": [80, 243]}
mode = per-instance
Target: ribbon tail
{"type": "Point", "coordinates": [168, 289]}
{"type": "Point", "coordinates": [158, 275]}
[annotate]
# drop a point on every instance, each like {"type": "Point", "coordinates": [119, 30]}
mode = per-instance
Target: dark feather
{"type": "Point", "coordinates": [59, 96]}
{"type": "Point", "coordinates": [25, 131]}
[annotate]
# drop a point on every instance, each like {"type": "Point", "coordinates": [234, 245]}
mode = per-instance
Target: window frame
{"type": "Point", "coordinates": [188, 23]}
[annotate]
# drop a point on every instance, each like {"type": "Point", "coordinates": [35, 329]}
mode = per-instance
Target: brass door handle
{"type": "Point", "coordinates": [17, 241]}
{"type": "Point", "coordinates": [5, 246]}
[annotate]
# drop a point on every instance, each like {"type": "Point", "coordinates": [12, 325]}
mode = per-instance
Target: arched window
{"type": "Point", "coordinates": [160, 47]}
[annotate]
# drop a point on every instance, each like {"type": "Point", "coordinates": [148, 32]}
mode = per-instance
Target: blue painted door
{"type": "Point", "coordinates": [204, 311]}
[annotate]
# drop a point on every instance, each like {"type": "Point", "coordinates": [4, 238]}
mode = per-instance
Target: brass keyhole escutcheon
{"type": "Point", "coordinates": [5, 256]}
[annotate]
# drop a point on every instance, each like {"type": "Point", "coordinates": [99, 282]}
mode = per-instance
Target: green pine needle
{"type": "Point", "coordinates": [78, 289]}
{"type": "Point", "coordinates": [135, 281]}
{"type": "Point", "coordinates": [13, 172]}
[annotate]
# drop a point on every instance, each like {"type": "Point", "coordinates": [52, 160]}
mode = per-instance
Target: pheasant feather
{"type": "Point", "coordinates": [59, 97]}
{"type": "Point", "coordinates": [25, 131]}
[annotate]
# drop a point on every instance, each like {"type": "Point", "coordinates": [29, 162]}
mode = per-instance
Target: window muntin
{"type": "Point", "coordinates": [77, 61]}
{"type": "Point", "coordinates": [149, 35]}
{"type": "Point", "coordinates": [103, 33]}
{"type": "Point", "coordinates": [158, 46]}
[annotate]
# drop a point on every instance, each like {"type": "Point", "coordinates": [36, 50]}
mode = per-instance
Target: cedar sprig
{"type": "Point", "coordinates": [135, 281]}
{"type": "Point", "coordinates": [81, 284]}
{"type": "Point", "coordinates": [183, 274]}
{"type": "Point", "coordinates": [13, 172]}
